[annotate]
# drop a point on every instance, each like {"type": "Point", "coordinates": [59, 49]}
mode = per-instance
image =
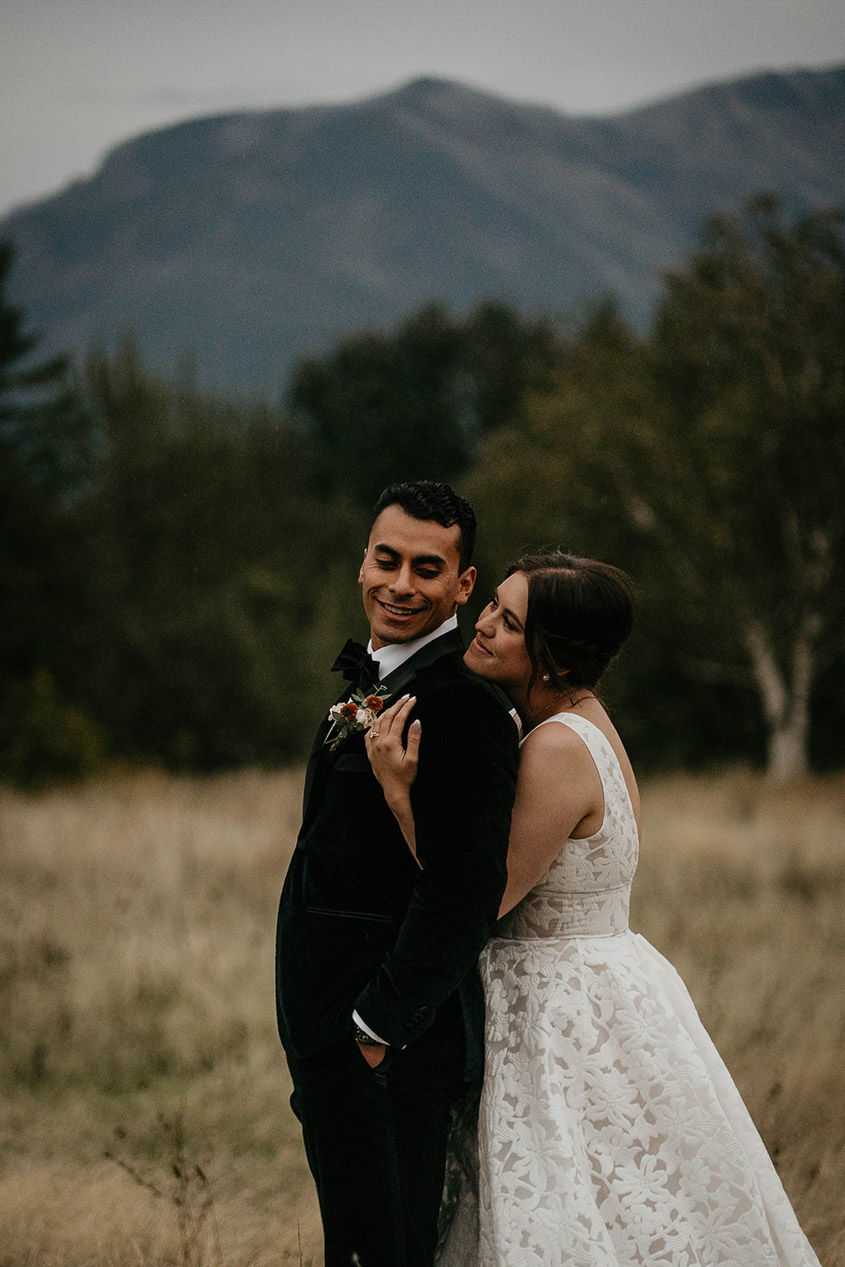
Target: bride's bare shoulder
{"type": "Point", "coordinates": [551, 742]}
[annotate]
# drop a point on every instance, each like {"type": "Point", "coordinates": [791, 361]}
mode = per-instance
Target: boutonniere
{"type": "Point", "coordinates": [357, 714]}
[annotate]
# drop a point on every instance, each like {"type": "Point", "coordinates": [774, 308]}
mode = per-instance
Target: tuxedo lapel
{"type": "Point", "coordinates": [397, 682]}
{"type": "Point", "coordinates": [320, 755]}
{"type": "Point", "coordinates": [313, 761]}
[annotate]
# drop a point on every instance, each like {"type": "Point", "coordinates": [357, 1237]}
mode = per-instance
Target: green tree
{"type": "Point", "coordinates": [44, 432]}
{"type": "Point", "coordinates": [44, 448]}
{"type": "Point", "coordinates": [380, 406]}
{"type": "Point", "coordinates": [208, 565]}
{"type": "Point", "coordinates": [709, 460]}
{"type": "Point", "coordinates": [508, 358]}
{"type": "Point", "coordinates": [746, 470]}
{"type": "Point", "coordinates": [557, 473]}
{"type": "Point", "coordinates": [566, 476]}
{"type": "Point", "coordinates": [387, 406]}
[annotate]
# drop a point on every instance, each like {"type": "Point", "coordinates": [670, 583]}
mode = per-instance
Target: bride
{"type": "Point", "coordinates": [610, 1132]}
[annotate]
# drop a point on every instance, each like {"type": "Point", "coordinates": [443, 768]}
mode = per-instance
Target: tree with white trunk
{"type": "Point", "coordinates": [748, 461]}
{"type": "Point", "coordinates": [709, 459]}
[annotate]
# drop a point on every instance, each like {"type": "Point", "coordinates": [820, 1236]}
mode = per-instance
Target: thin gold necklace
{"type": "Point", "coordinates": [557, 707]}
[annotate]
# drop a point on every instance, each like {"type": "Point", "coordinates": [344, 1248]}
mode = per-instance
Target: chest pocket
{"type": "Point", "coordinates": [352, 763]}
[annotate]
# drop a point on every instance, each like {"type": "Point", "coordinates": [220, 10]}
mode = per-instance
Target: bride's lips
{"type": "Point", "coordinates": [475, 645]}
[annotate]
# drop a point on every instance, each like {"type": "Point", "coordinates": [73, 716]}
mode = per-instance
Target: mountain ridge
{"type": "Point", "coordinates": [249, 238]}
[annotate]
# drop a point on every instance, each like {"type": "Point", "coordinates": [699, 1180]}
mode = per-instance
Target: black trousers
{"type": "Point", "coordinates": [376, 1143]}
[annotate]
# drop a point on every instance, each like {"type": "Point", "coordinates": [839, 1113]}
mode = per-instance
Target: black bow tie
{"type": "Point", "coordinates": [356, 664]}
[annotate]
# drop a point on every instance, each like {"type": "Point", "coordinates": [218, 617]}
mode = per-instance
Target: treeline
{"type": "Point", "coordinates": [178, 567]}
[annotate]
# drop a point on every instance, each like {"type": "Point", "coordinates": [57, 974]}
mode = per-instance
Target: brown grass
{"type": "Point", "coordinates": [136, 1006]}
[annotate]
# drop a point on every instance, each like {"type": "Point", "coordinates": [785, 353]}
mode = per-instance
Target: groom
{"type": "Point", "coordinates": [378, 996]}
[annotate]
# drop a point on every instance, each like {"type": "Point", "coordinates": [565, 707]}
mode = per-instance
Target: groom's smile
{"type": "Point", "coordinates": [399, 611]}
{"type": "Point", "coordinates": [396, 618]}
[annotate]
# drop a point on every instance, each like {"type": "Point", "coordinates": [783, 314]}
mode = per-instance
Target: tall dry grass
{"type": "Point", "coordinates": [136, 1006]}
{"type": "Point", "coordinates": [136, 983]}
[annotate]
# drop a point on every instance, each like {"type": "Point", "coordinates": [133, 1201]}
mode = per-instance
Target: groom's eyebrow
{"type": "Point", "coordinates": [429, 560]}
{"type": "Point", "coordinates": [419, 560]}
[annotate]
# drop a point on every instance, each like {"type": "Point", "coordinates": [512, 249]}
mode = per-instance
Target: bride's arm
{"type": "Point", "coordinates": [557, 788]}
{"type": "Point", "coordinates": [395, 764]}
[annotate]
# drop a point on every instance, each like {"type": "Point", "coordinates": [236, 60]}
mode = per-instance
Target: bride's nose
{"type": "Point", "coordinates": [482, 625]}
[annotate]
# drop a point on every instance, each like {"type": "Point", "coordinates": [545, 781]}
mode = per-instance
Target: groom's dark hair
{"type": "Point", "coordinates": [428, 500]}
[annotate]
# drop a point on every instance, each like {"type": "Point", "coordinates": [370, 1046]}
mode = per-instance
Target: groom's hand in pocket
{"type": "Point", "coordinates": [373, 1054]}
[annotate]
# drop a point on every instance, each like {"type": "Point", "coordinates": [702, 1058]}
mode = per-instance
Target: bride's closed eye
{"type": "Point", "coordinates": [493, 605]}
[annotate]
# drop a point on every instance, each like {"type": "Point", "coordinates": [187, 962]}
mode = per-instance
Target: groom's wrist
{"type": "Point", "coordinates": [365, 1039]}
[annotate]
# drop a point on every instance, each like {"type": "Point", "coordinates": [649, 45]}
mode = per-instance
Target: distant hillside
{"type": "Point", "coordinates": [249, 239]}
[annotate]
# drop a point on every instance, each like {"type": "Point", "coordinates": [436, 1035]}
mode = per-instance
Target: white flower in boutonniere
{"type": "Point", "coordinates": [357, 714]}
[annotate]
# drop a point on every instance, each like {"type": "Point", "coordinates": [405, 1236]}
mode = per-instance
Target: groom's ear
{"type": "Point", "coordinates": [361, 569]}
{"type": "Point", "coordinates": [466, 584]}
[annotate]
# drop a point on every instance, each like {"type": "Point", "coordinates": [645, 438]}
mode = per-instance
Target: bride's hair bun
{"type": "Point", "coordinates": [580, 611]}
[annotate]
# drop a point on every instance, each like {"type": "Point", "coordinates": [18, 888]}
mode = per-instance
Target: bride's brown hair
{"type": "Point", "coordinates": [580, 611]}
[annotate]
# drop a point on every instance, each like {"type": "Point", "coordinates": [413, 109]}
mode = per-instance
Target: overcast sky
{"type": "Point", "coordinates": [79, 76]}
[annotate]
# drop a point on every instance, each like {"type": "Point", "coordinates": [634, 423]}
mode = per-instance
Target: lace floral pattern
{"type": "Point", "coordinates": [610, 1132]}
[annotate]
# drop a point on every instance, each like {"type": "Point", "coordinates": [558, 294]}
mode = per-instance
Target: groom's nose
{"type": "Point", "coordinates": [403, 581]}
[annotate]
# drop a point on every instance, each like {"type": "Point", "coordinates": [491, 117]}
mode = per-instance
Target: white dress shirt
{"type": "Point", "coordinates": [390, 657]}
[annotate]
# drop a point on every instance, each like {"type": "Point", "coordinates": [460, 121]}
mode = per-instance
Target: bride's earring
{"type": "Point", "coordinates": [545, 677]}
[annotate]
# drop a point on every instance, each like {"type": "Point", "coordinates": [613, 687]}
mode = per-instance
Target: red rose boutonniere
{"type": "Point", "coordinates": [356, 714]}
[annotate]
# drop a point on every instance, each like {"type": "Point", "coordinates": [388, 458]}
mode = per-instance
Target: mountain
{"type": "Point", "coordinates": [250, 239]}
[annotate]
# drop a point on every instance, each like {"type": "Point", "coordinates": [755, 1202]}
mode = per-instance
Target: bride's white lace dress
{"type": "Point", "coordinates": [610, 1132]}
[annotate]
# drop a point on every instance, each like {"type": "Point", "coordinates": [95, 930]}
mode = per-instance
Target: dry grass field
{"type": "Point", "coordinates": [144, 1115]}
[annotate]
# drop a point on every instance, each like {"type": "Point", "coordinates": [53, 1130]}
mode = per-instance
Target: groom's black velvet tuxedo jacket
{"type": "Point", "coordinates": [360, 925]}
